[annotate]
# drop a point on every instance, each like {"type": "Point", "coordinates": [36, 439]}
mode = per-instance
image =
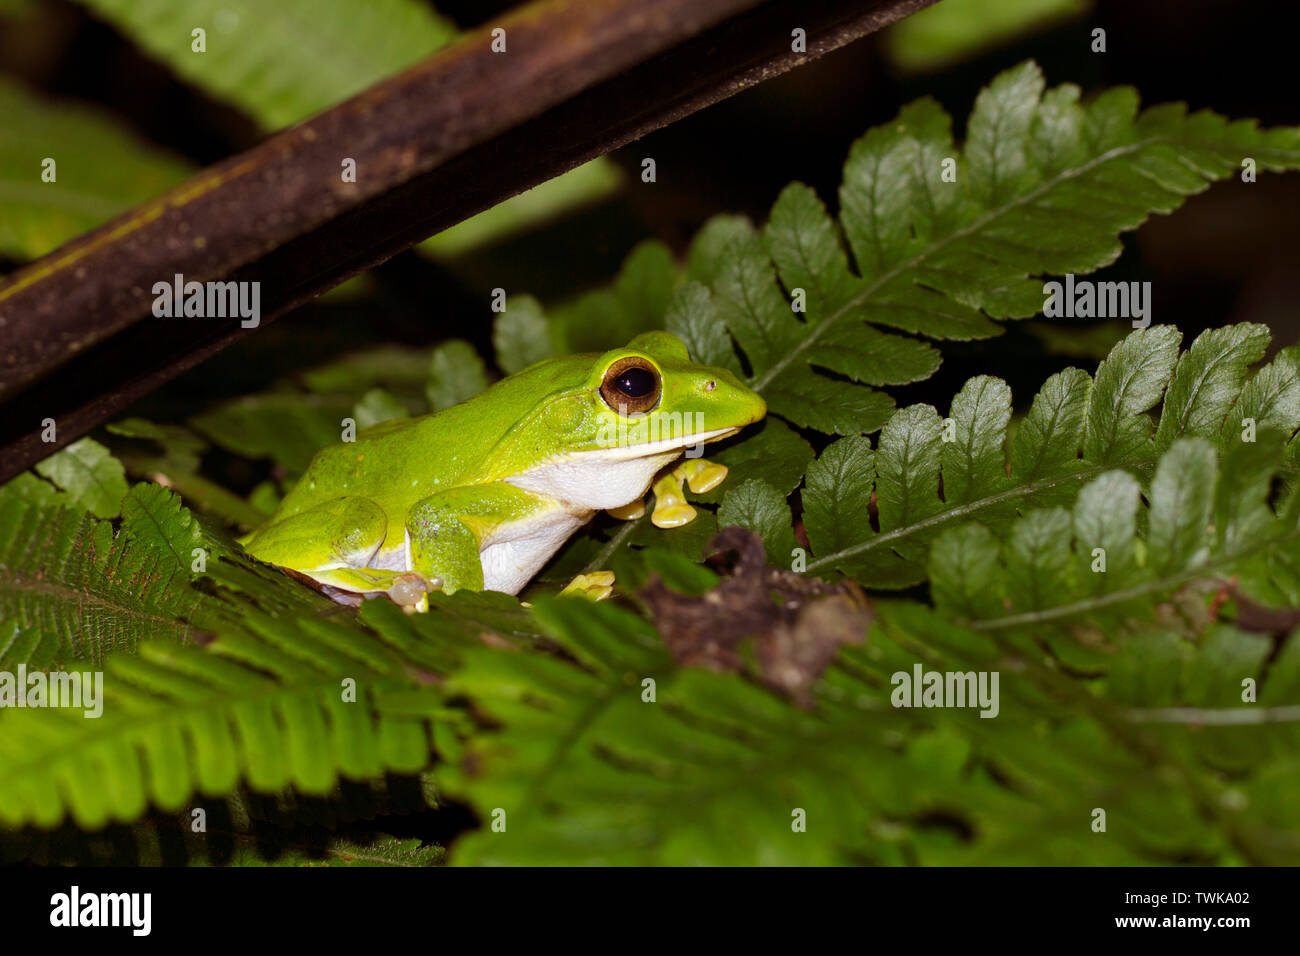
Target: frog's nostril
{"type": "Point", "coordinates": [710, 386]}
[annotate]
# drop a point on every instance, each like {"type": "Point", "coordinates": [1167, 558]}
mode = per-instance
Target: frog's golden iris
{"type": "Point", "coordinates": [631, 384]}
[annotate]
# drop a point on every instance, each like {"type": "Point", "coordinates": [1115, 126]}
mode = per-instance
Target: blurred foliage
{"type": "Point", "coordinates": [279, 71]}
{"type": "Point", "coordinates": [586, 184]}
{"type": "Point", "coordinates": [953, 30]}
{"type": "Point", "coordinates": [100, 169]}
{"type": "Point", "coordinates": [282, 68]}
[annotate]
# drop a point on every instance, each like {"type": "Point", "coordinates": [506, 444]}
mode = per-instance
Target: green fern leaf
{"type": "Point", "coordinates": [944, 259]}
{"type": "Point", "coordinates": [455, 373]}
{"type": "Point", "coordinates": [1129, 381]}
{"type": "Point", "coordinates": [238, 719]}
{"type": "Point", "coordinates": [71, 591]}
{"type": "Point", "coordinates": [837, 493]}
{"type": "Point", "coordinates": [758, 506]}
{"type": "Point", "coordinates": [608, 754]}
{"type": "Point", "coordinates": [929, 474]}
{"type": "Point", "coordinates": [1058, 569]}
{"type": "Point", "coordinates": [92, 478]}
{"type": "Point", "coordinates": [270, 700]}
{"type": "Point", "coordinates": [153, 517]}
{"type": "Point", "coordinates": [944, 243]}
{"type": "Point", "coordinates": [1207, 381]}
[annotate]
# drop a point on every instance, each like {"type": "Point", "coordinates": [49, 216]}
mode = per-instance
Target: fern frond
{"type": "Point", "coordinates": [236, 678]}
{"type": "Point", "coordinates": [265, 704]}
{"type": "Point", "coordinates": [1115, 554]}
{"type": "Point", "coordinates": [608, 754]}
{"type": "Point", "coordinates": [929, 473]}
{"type": "Point", "coordinates": [70, 590]}
{"type": "Point", "coordinates": [1044, 185]}
{"type": "Point", "coordinates": [89, 476]}
{"type": "Point", "coordinates": [274, 702]}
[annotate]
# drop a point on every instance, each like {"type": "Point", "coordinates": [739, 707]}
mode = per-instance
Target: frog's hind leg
{"type": "Point", "coordinates": [351, 585]}
{"type": "Point", "coordinates": [342, 533]}
{"type": "Point", "coordinates": [333, 546]}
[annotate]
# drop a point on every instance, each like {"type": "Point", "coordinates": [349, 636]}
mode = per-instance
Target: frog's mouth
{"type": "Point", "coordinates": [662, 446]}
{"type": "Point", "coordinates": [612, 475]}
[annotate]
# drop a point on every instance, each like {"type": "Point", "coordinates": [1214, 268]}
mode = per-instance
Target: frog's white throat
{"type": "Point", "coordinates": [608, 477]}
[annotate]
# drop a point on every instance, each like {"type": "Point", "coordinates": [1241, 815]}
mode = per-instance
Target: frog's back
{"type": "Point", "coordinates": [399, 462]}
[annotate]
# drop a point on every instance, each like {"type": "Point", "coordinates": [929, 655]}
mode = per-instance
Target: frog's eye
{"type": "Point", "coordinates": [631, 384]}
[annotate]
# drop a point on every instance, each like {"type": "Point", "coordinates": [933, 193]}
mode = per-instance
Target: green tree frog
{"type": "Point", "coordinates": [482, 494]}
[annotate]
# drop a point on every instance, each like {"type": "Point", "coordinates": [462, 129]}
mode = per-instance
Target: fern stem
{"type": "Point", "coordinates": [856, 301]}
{"type": "Point", "coordinates": [959, 512]}
{"type": "Point", "coordinates": [1221, 717]}
{"type": "Point", "coordinates": [1048, 615]}
{"type": "Point", "coordinates": [615, 541]}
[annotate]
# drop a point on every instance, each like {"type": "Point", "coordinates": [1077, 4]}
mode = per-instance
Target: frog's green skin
{"type": "Point", "coordinates": [482, 494]}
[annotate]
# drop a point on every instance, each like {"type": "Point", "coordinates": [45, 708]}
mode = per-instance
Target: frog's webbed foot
{"type": "Point", "coordinates": [701, 475]}
{"type": "Point", "coordinates": [671, 508]}
{"type": "Point", "coordinates": [595, 586]}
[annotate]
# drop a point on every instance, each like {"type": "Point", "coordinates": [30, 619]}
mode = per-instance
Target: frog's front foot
{"type": "Point", "coordinates": [595, 586]}
{"type": "Point", "coordinates": [671, 508]}
{"type": "Point", "coordinates": [410, 591]}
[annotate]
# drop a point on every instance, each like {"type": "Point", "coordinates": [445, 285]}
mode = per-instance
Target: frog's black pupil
{"type": "Point", "coordinates": [636, 382]}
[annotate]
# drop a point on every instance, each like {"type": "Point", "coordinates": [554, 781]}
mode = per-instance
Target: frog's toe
{"type": "Point", "coordinates": [411, 591]}
{"type": "Point", "coordinates": [702, 476]}
{"type": "Point", "coordinates": [595, 586]}
{"type": "Point", "coordinates": [671, 509]}
{"type": "Point", "coordinates": [672, 514]}
{"type": "Point", "coordinates": [628, 512]}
